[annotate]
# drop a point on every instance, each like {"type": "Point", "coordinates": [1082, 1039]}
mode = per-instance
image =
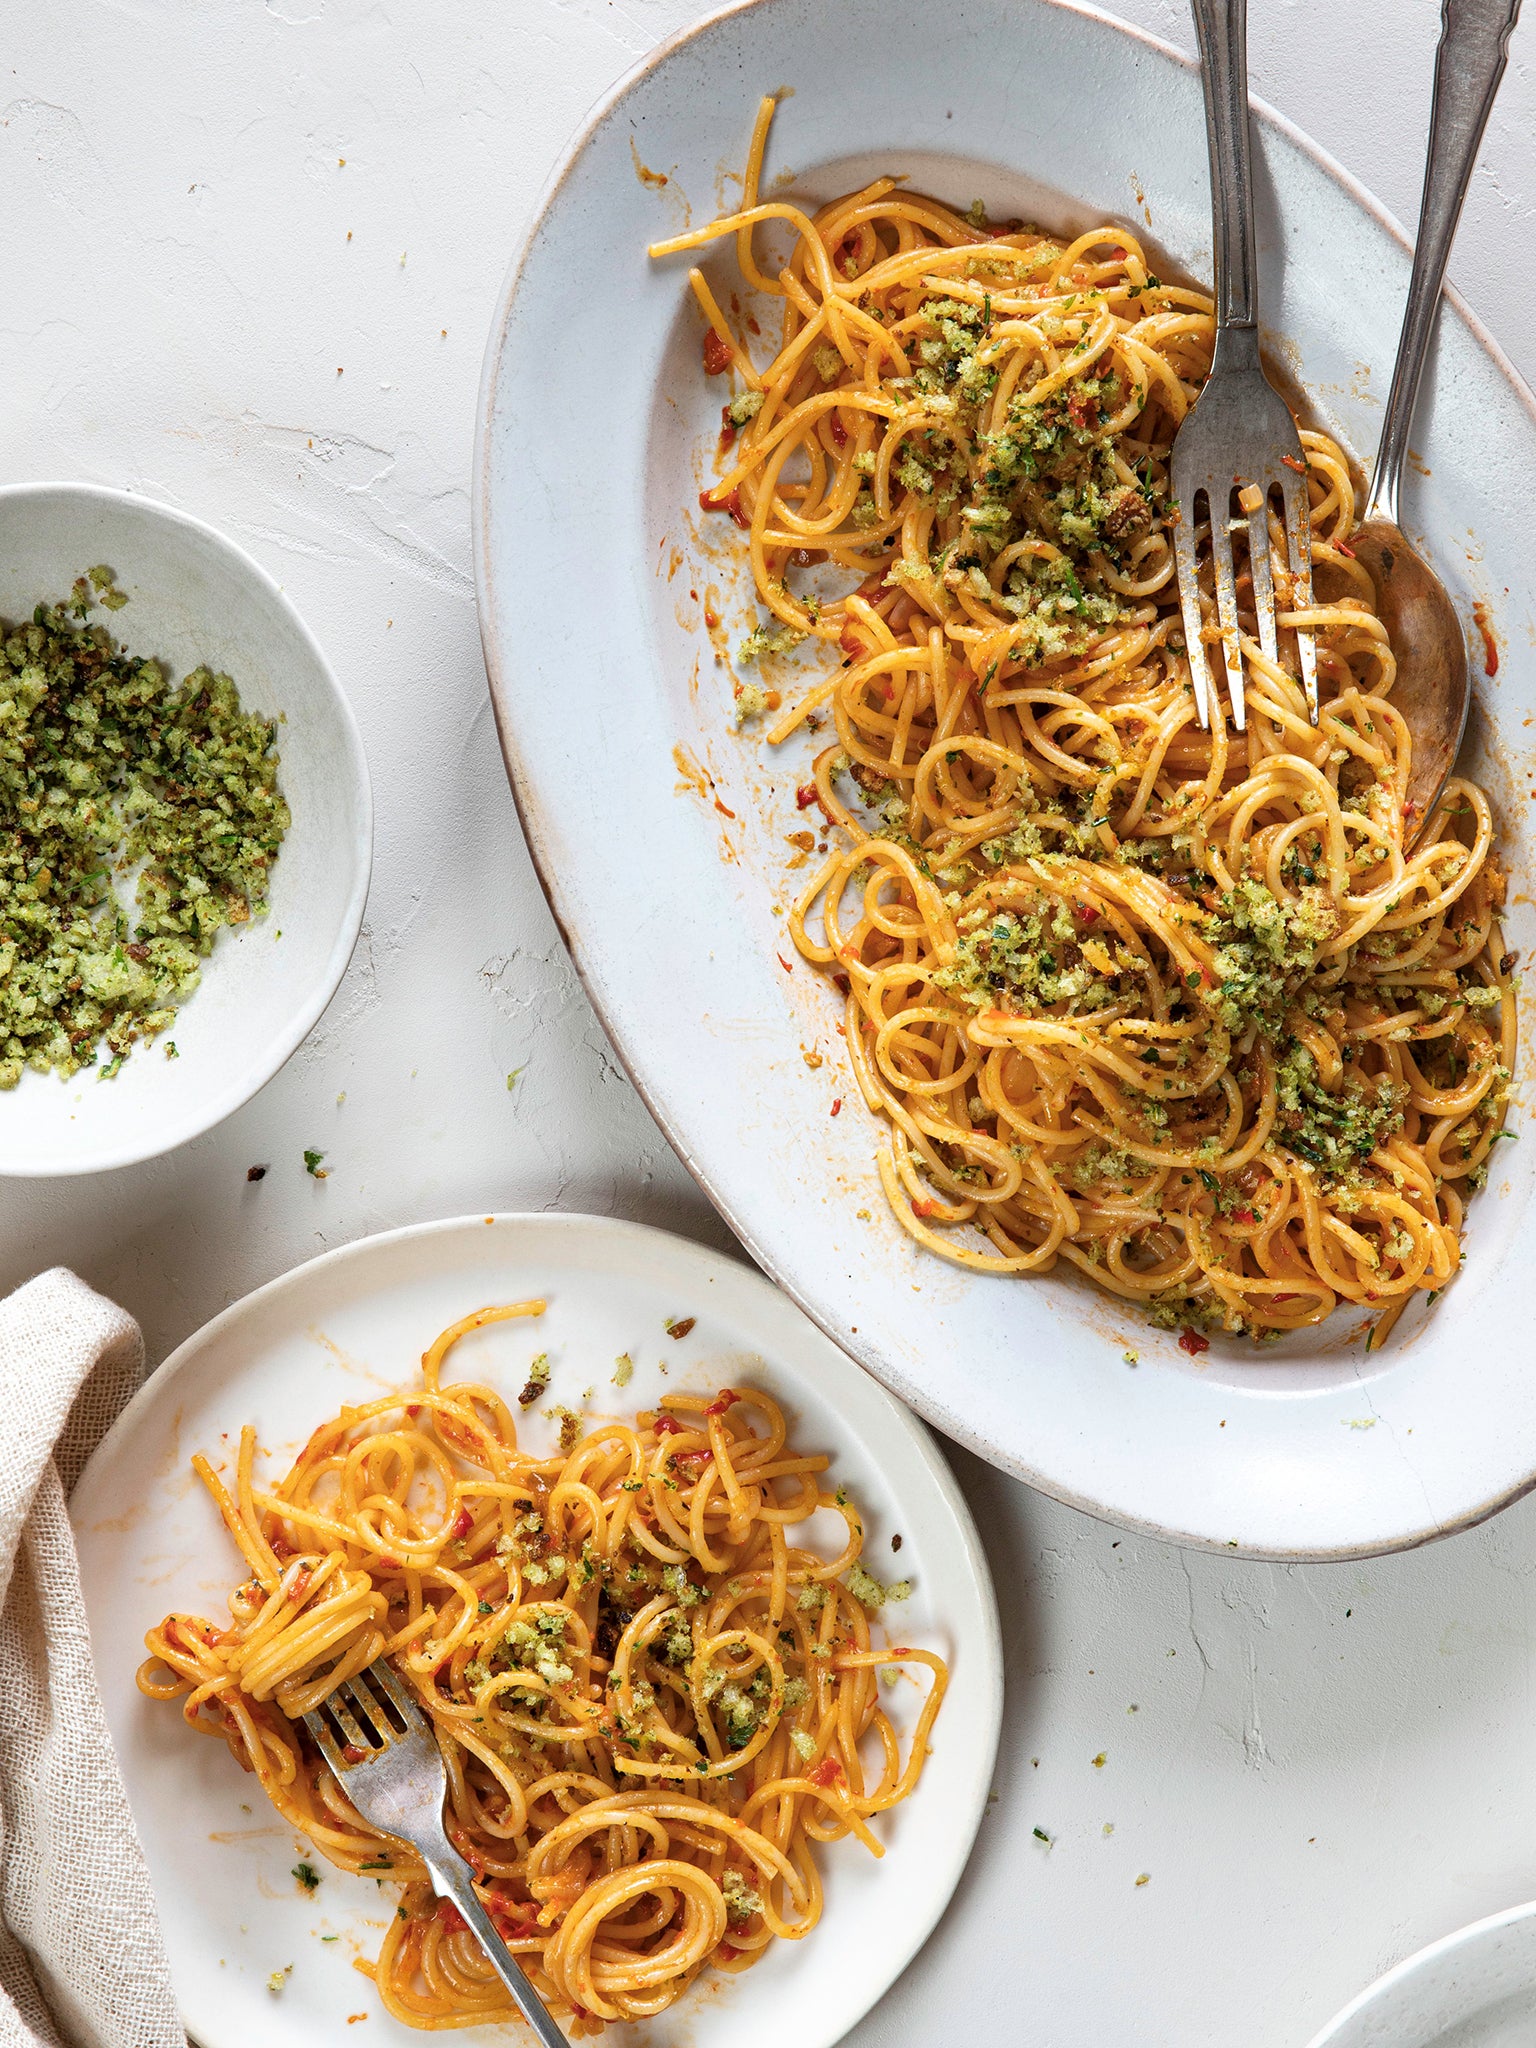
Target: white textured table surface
{"type": "Point", "coordinates": [235, 237]}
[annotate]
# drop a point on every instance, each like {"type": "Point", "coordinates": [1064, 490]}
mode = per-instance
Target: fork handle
{"type": "Point", "coordinates": [1221, 28]}
{"type": "Point", "coordinates": [451, 1880]}
{"type": "Point", "coordinates": [1474, 47]}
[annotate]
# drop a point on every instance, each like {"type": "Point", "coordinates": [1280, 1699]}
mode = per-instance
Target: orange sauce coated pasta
{"type": "Point", "coordinates": [1206, 1015]}
{"type": "Point", "coordinates": [654, 1702]}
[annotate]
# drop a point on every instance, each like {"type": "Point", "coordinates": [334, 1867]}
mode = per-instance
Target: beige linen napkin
{"type": "Point", "coordinates": [82, 1962]}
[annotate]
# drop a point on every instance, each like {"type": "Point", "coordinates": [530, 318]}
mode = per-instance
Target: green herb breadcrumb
{"type": "Point", "coordinates": [109, 776]}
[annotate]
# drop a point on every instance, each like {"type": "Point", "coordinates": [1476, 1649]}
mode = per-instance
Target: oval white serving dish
{"type": "Point", "coordinates": [196, 598]}
{"type": "Point", "coordinates": [659, 832]}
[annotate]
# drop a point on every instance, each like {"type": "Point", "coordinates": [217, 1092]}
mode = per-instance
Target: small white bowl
{"type": "Point", "coordinates": [195, 597]}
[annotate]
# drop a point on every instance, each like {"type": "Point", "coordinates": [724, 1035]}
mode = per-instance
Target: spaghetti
{"type": "Point", "coordinates": [1206, 1015]}
{"type": "Point", "coordinates": [649, 1697]}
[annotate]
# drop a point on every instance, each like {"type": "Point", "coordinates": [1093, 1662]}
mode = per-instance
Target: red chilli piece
{"type": "Point", "coordinates": [666, 1425]}
{"type": "Point", "coordinates": [352, 1754]}
{"type": "Point", "coordinates": [828, 1772]}
{"type": "Point", "coordinates": [513, 1930]}
{"type": "Point", "coordinates": [727, 1399]}
{"type": "Point", "coordinates": [837, 430]}
{"type": "Point", "coordinates": [1243, 1216]}
{"type": "Point", "coordinates": [1086, 913]}
{"type": "Point", "coordinates": [805, 796]}
{"type": "Point", "coordinates": [463, 1522]}
{"type": "Point", "coordinates": [787, 965]}
{"type": "Point", "coordinates": [710, 501]}
{"type": "Point", "coordinates": [727, 427]}
{"type": "Point", "coordinates": [1191, 1340]}
{"type": "Point", "coordinates": [718, 353]}
{"type": "Point", "coordinates": [837, 1105]}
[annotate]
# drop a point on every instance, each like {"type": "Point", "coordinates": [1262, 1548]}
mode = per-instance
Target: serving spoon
{"type": "Point", "coordinates": [1433, 690]}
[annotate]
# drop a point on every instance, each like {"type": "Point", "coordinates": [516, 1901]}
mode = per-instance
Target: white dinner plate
{"type": "Point", "coordinates": [670, 884]}
{"type": "Point", "coordinates": [1474, 1989]}
{"type": "Point", "coordinates": [347, 1328]}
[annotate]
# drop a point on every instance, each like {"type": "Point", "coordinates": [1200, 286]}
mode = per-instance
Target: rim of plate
{"type": "Point", "coordinates": [771, 1309]}
{"type": "Point", "coordinates": [1400, 1973]}
{"type": "Point", "coordinates": [917, 1396]}
{"type": "Point", "coordinates": [223, 1102]}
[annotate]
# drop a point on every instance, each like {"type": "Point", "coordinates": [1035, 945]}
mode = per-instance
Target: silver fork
{"type": "Point", "coordinates": [1239, 436]}
{"type": "Point", "coordinates": [398, 1785]}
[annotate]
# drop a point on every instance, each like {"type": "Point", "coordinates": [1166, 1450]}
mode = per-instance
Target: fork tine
{"type": "Point", "coordinates": [364, 1703]}
{"type": "Point", "coordinates": [1185, 543]}
{"type": "Point", "coordinates": [404, 1700]}
{"type": "Point", "coordinates": [385, 1695]}
{"type": "Point", "coordinates": [1263, 578]}
{"type": "Point", "coordinates": [1298, 536]}
{"type": "Point", "coordinates": [340, 1708]}
{"type": "Point", "coordinates": [316, 1724]}
{"type": "Point", "coordinates": [1226, 601]}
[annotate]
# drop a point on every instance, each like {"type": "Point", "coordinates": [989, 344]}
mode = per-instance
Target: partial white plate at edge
{"type": "Point", "coordinates": [1476, 1988]}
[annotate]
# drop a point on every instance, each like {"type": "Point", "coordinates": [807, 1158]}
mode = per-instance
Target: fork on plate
{"type": "Point", "coordinates": [390, 1767]}
{"type": "Point", "coordinates": [1239, 442]}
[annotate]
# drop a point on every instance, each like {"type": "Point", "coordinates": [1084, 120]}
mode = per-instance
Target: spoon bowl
{"type": "Point", "coordinates": [1433, 690]}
